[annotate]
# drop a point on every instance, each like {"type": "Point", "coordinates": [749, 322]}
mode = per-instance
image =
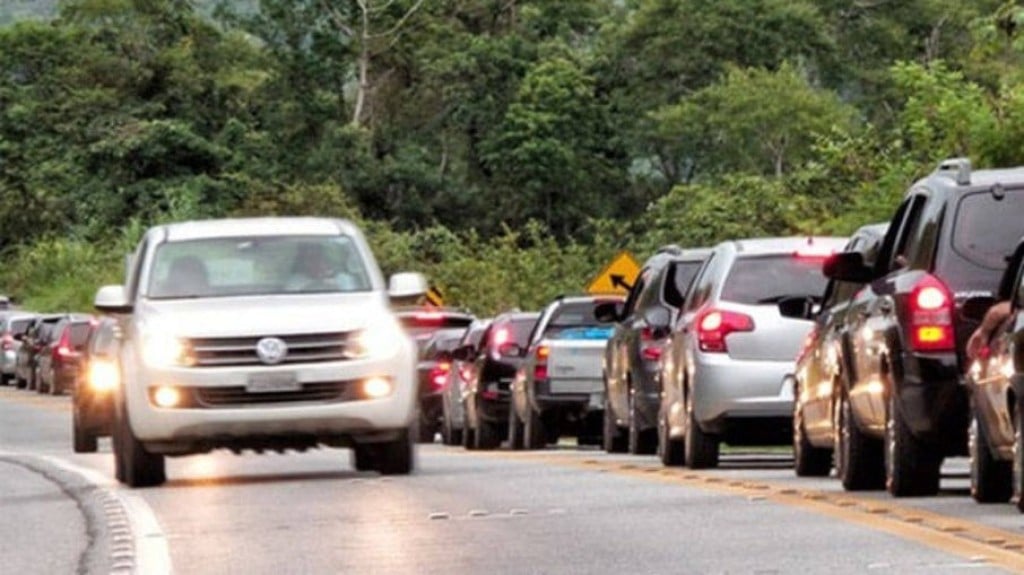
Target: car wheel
{"type": "Point", "coordinates": [449, 435]}
{"type": "Point", "coordinates": [426, 427]}
{"type": "Point", "coordinates": [488, 436]}
{"type": "Point", "coordinates": [808, 460]}
{"type": "Point", "coordinates": [139, 467]}
{"type": "Point", "coordinates": [468, 433]}
{"type": "Point", "coordinates": [671, 451]}
{"type": "Point", "coordinates": [701, 448]}
{"type": "Point", "coordinates": [55, 388]}
{"type": "Point", "coordinates": [515, 429]}
{"type": "Point", "coordinates": [911, 467]}
{"type": "Point", "coordinates": [5, 379]}
{"type": "Point", "coordinates": [991, 479]}
{"type": "Point", "coordinates": [396, 457]}
{"type": "Point", "coordinates": [1018, 455]}
{"type": "Point", "coordinates": [612, 438]}
{"type": "Point", "coordinates": [82, 441]}
{"type": "Point", "coordinates": [859, 463]}
{"type": "Point", "coordinates": [535, 436]}
{"type": "Point", "coordinates": [640, 441]}
{"type": "Point", "coordinates": [20, 382]}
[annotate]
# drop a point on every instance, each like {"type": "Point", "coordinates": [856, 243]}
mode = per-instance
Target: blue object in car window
{"type": "Point", "coordinates": [585, 333]}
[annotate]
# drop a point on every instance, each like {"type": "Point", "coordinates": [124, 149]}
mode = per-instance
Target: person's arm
{"type": "Point", "coordinates": [983, 333]}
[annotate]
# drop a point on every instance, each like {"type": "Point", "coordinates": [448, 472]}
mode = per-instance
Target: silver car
{"type": "Point", "coordinates": [730, 347]}
{"type": "Point", "coordinates": [13, 325]}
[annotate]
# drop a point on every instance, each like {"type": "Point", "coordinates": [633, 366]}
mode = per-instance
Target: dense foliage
{"type": "Point", "coordinates": [507, 148]}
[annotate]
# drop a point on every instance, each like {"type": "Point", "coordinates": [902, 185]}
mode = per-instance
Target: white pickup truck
{"type": "Point", "coordinates": [559, 389]}
{"type": "Point", "coordinates": [260, 334]}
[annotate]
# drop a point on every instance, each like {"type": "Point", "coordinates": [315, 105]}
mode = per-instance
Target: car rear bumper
{"type": "Point", "coordinates": [932, 401]}
{"type": "Point", "coordinates": [726, 388]}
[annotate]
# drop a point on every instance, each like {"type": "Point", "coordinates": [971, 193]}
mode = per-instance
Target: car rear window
{"type": "Point", "coordinates": [987, 228]}
{"type": "Point", "coordinates": [767, 279]}
{"type": "Point", "coordinates": [79, 334]}
{"type": "Point", "coordinates": [20, 326]}
{"type": "Point", "coordinates": [569, 318]}
{"type": "Point", "coordinates": [515, 331]}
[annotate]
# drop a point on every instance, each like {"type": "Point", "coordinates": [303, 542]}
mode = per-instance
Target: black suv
{"type": "Point", "coordinates": [631, 358]}
{"type": "Point", "coordinates": [490, 370]}
{"type": "Point", "coordinates": [946, 243]}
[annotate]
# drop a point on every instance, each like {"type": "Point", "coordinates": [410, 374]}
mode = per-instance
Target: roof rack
{"type": "Point", "coordinates": [961, 167]}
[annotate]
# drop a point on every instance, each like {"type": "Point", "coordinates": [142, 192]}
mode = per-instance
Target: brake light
{"type": "Point", "coordinates": [931, 316]}
{"type": "Point", "coordinates": [7, 342]}
{"type": "Point", "coordinates": [439, 375]}
{"type": "Point", "coordinates": [540, 369]}
{"type": "Point", "coordinates": [714, 325]}
{"type": "Point", "coordinates": [650, 348]}
{"type": "Point", "coordinates": [501, 336]}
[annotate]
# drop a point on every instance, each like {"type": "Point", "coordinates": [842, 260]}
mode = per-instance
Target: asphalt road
{"type": "Point", "coordinates": [565, 510]}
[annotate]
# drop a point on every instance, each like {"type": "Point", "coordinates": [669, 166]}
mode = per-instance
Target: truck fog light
{"type": "Point", "coordinates": [166, 396]}
{"type": "Point", "coordinates": [377, 387]}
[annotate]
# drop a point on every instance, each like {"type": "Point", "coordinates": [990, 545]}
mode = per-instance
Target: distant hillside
{"type": "Point", "coordinates": [15, 10]}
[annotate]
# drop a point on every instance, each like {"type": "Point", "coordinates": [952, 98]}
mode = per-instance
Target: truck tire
{"type": "Point", "coordinates": [859, 458]}
{"type": "Point", "coordinates": [991, 479]}
{"type": "Point", "coordinates": [808, 460]}
{"type": "Point", "coordinates": [139, 467]}
{"type": "Point", "coordinates": [640, 441]}
{"type": "Point", "coordinates": [911, 466]}
{"type": "Point", "coordinates": [82, 441]}
{"type": "Point", "coordinates": [612, 438]}
{"type": "Point", "coordinates": [363, 457]}
{"type": "Point", "coordinates": [395, 457]}
{"type": "Point", "coordinates": [701, 448]}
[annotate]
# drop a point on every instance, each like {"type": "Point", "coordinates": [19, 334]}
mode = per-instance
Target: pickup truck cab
{"type": "Point", "coordinates": [560, 384]}
{"type": "Point", "coordinates": [260, 334]}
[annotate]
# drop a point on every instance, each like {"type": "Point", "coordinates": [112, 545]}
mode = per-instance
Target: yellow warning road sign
{"type": "Point", "coordinates": [435, 297]}
{"type": "Point", "coordinates": [617, 277]}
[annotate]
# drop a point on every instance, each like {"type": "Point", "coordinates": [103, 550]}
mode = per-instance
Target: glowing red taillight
{"type": "Point", "coordinates": [714, 325]}
{"type": "Point", "coordinates": [540, 368]}
{"type": "Point", "coordinates": [931, 316]}
{"type": "Point", "coordinates": [439, 375]}
{"type": "Point", "coordinates": [64, 349]}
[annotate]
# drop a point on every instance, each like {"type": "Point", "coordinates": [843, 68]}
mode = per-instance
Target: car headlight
{"type": "Point", "coordinates": [103, 375]}
{"type": "Point", "coordinates": [380, 339]}
{"type": "Point", "coordinates": [164, 350]}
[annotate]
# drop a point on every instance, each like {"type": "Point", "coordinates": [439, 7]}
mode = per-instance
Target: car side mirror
{"type": "Point", "coordinates": [974, 309]}
{"type": "Point", "coordinates": [797, 307]}
{"type": "Point", "coordinates": [464, 353]}
{"type": "Point", "coordinates": [444, 356]}
{"type": "Point", "coordinates": [847, 267]}
{"type": "Point", "coordinates": [112, 299]}
{"type": "Point", "coordinates": [608, 312]}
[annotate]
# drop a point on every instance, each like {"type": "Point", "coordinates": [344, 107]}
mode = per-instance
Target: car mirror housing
{"type": "Point", "coordinates": [608, 312]}
{"type": "Point", "coordinates": [464, 353]}
{"type": "Point", "coordinates": [974, 308]}
{"type": "Point", "coordinates": [112, 299]}
{"type": "Point", "coordinates": [847, 267]}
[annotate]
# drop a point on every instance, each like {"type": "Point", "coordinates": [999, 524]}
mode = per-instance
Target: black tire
{"type": "Point", "coordinates": [82, 441]}
{"type": "Point", "coordinates": [991, 479]}
{"type": "Point", "coordinates": [55, 387]}
{"type": "Point", "coordinates": [639, 441]}
{"type": "Point", "coordinates": [859, 458]}
{"type": "Point", "coordinates": [426, 427]}
{"type": "Point", "coordinates": [20, 383]}
{"type": "Point", "coordinates": [363, 457]}
{"type": "Point", "coordinates": [1018, 455]}
{"type": "Point", "coordinates": [701, 448]}
{"type": "Point", "coordinates": [140, 468]}
{"type": "Point", "coordinates": [534, 433]}
{"type": "Point", "coordinates": [488, 436]}
{"type": "Point", "coordinates": [672, 452]}
{"type": "Point", "coordinates": [808, 460]}
{"type": "Point", "coordinates": [468, 436]}
{"type": "Point", "coordinates": [612, 438]}
{"type": "Point", "coordinates": [515, 429]}
{"type": "Point", "coordinates": [396, 457]}
{"type": "Point", "coordinates": [6, 379]}
{"type": "Point", "coordinates": [449, 435]}
{"type": "Point", "coordinates": [911, 467]}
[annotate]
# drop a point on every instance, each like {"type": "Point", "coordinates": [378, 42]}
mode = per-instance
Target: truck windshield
{"type": "Point", "coordinates": [271, 265]}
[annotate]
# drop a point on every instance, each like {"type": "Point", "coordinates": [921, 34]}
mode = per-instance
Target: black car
{"type": "Point", "coordinates": [819, 410]}
{"type": "Point", "coordinates": [421, 323]}
{"type": "Point", "coordinates": [631, 359]}
{"type": "Point", "coordinates": [92, 394]}
{"type": "Point", "coordinates": [32, 342]}
{"type": "Point", "coordinates": [904, 353]}
{"type": "Point", "coordinates": [452, 413]}
{"type": "Point", "coordinates": [491, 368]}
{"type": "Point", "coordinates": [433, 370]}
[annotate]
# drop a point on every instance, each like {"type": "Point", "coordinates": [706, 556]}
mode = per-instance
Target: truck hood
{"type": "Point", "coordinates": [263, 315]}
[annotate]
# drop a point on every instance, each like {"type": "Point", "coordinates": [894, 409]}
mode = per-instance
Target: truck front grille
{"type": "Point", "coordinates": [234, 351]}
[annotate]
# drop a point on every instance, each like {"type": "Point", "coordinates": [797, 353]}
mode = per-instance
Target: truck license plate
{"type": "Point", "coordinates": [272, 383]}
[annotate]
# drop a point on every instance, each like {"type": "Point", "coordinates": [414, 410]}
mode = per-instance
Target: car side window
{"type": "Point", "coordinates": [907, 229]}
{"type": "Point", "coordinates": [634, 293]}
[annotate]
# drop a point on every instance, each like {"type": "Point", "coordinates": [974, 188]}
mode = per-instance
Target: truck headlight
{"type": "Point", "coordinates": [380, 339]}
{"type": "Point", "coordinates": [103, 375]}
{"type": "Point", "coordinates": [163, 350]}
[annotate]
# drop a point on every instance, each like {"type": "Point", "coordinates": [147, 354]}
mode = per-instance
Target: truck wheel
{"type": "Point", "coordinates": [534, 432]}
{"type": "Point", "coordinates": [139, 467]}
{"type": "Point", "coordinates": [701, 448]}
{"type": "Point", "coordinates": [911, 467]}
{"type": "Point", "coordinates": [640, 441]}
{"type": "Point", "coordinates": [82, 440]}
{"type": "Point", "coordinates": [859, 458]}
{"type": "Point", "coordinates": [515, 429]}
{"type": "Point", "coordinates": [396, 457]}
{"type": "Point", "coordinates": [363, 457]}
{"type": "Point", "coordinates": [612, 437]}
{"type": "Point", "coordinates": [671, 451]}
{"type": "Point", "coordinates": [991, 479]}
{"type": "Point", "coordinates": [808, 460]}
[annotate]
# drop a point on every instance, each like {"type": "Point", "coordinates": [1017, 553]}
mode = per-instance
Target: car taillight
{"type": "Point", "coordinates": [650, 348]}
{"type": "Point", "coordinates": [63, 348]}
{"type": "Point", "coordinates": [439, 375]}
{"type": "Point", "coordinates": [501, 336]}
{"type": "Point", "coordinates": [714, 325]}
{"type": "Point", "coordinates": [931, 316]}
{"type": "Point", "coordinates": [7, 342]}
{"type": "Point", "coordinates": [540, 369]}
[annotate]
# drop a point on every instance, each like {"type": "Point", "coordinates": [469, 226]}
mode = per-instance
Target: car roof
{"type": "Point", "coordinates": [779, 245]}
{"type": "Point", "coordinates": [246, 227]}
